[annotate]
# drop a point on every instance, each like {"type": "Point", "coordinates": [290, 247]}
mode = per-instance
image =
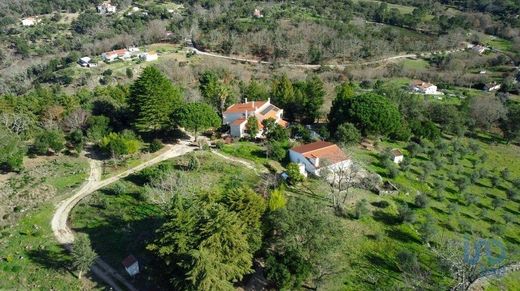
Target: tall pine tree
{"type": "Point", "coordinates": [152, 100]}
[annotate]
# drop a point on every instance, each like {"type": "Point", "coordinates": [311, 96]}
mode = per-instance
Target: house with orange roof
{"type": "Point", "coordinates": [424, 87]}
{"type": "Point", "coordinates": [319, 155]}
{"type": "Point", "coordinates": [237, 114]}
{"type": "Point", "coordinates": [122, 54]}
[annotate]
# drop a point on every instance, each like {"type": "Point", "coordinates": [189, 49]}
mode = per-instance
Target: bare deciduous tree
{"type": "Point", "coordinates": [341, 179]}
{"type": "Point", "coordinates": [75, 120]}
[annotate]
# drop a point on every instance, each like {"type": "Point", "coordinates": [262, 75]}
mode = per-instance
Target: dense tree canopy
{"type": "Point", "coordinates": [208, 240]}
{"type": "Point", "coordinates": [196, 117]}
{"type": "Point", "coordinates": [152, 100]}
{"type": "Point", "coordinates": [371, 113]}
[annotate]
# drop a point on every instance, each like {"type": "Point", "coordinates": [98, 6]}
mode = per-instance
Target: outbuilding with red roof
{"type": "Point", "coordinates": [318, 155]}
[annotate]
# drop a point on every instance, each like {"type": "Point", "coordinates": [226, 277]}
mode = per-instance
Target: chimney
{"type": "Point", "coordinates": [245, 100]}
{"type": "Point", "coordinates": [246, 114]}
{"type": "Point", "coordinates": [317, 162]}
{"type": "Point", "coordinates": [268, 100]}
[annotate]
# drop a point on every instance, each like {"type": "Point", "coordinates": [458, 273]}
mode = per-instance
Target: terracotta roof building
{"type": "Point", "coordinates": [318, 155]}
{"type": "Point", "coordinates": [237, 114]}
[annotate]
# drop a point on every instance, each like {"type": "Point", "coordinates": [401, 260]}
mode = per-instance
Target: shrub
{"type": "Point", "coordinates": [49, 139]}
{"type": "Point", "coordinates": [219, 144]}
{"type": "Point", "coordinates": [155, 145]}
{"type": "Point", "coordinates": [405, 214]}
{"type": "Point", "coordinates": [118, 188]}
{"type": "Point", "coordinates": [361, 209]}
{"type": "Point", "coordinates": [293, 173]}
{"type": "Point", "coordinates": [193, 163]}
{"type": "Point", "coordinates": [427, 230]}
{"type": "Point", "coordinates": [421, 201]}
{"type": "Point", "coordinates": [347, 133]}
{"type": "Point", "coordinates": [277, 200]}
{"type": "Point", "coordinates": [407, 261]}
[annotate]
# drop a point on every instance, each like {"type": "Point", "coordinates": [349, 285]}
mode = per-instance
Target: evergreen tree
{"type": "Point", "coordinates": [83, 256]}
{"type": "Point", "coordinates": [152, 100]}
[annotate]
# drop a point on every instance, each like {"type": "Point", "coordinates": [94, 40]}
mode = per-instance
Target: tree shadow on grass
{"type": "Point", "coordinates": [402, 236]}
{"type": "Point", "coordinates": [57, 260]}
{"type": "Point", "coordinates": [381, 262]}
{"type": "Point", "coordinates": [467, 215]}
{"type": "Point", "coordinates": [512, 240]}
{"type": "Point", "coordinates": [480, 205]}
{"type": "Point", "coordinates": [512, 211]}
{"type": "Point", "coordinates": [438, 210]}
{"type": "Point", "coordinates": [381, 204]}
{"type": "Point", "coordinates": [385, 217]}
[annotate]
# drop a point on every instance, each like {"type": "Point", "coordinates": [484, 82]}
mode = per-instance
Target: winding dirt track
{"type": "Point", "coordinates": [65, 235]}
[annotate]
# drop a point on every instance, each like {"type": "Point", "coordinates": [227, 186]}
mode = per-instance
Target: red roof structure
{"type": "Point", "coordinates": [322, 150]}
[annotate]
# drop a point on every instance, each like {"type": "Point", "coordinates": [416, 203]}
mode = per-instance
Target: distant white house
{"type": "Point", "coordinates": [424, 87]}
{"type": "Point", "coordinates": [257, 13]}
{"type": "Point", "coordinates": [122, 54]}
{"type": "Point", "coordinates": [86, 62]}
{"type": "Point", "coordinates": [480, 49]}
{"type": "Point", "coordinates": [106, 8]}
{"type": "Point", "coordinates": [149, 56]}
{"type": "Point", "coordinates": [494, 86]}
{"type": "Point", "coordinates": [30, 21]}
{"type": "Point", "coordinates": [319, 155]}
{"type": "Point", "coordinates": [396, 156]}
{"type": "Point", "coordinates": [236, 116]}
{"type": "Point", "coordinates": [131, 265]}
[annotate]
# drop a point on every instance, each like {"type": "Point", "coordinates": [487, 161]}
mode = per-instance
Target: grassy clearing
{"type": "Point", "coordinates": [30, 257]}
{"type": "Point", "coordinates": [412, 64]}
{"type": "Point", "coordinates": [498, 43]}
{"type": "Point", "coordinates": [124, 223]}
{"type": "Point", "coordinates": [246, 150]}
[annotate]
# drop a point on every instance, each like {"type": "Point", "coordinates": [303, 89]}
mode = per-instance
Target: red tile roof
{"type": "Point", "coordinates": [322, 150]}
{"type": "Point", "coordinates": [120, 52]}
{"type": "Point", "coordinates": [243, 107]}
{"type": "Point", "coordinates": [238, 122]}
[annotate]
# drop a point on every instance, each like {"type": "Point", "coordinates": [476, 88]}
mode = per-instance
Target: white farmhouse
{"type": "Point", "coordinates": [320, 155]}
{"type": "Point", "coordinates": [237, 114]}
{"type": "Point", "coordinates": [493, 86]}
{"type": "Point", "coordinates": [106, 8]}
{"type": "Point", "coordinates": [131, 265]}
{"type": "Point", "coordinates": [111, 56]}
{"type": "Point", "coordinates": [424, 87]}
{"type": "Point", "coordinates": [30, 21]}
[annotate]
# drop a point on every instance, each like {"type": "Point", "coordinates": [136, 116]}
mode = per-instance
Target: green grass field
{"type": "Point", "coordinates": [30, 258]}
{"type": "Point", "coordinates": [508, 282]}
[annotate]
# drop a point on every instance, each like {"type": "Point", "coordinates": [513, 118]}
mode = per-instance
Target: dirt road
{"type": "Point", "coordinates": [314, 67]}
{"type": "Point", "coordinates": [65, 235]}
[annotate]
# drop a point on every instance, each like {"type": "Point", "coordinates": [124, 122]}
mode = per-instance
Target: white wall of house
{"type": "Point", "coordinates": [398, 159]}
{"type": "Point", "coordinates": [431, 90]}
{"type": "Point", "coordinates": [298, 158]}
{"type": "Point", "coordinates": [238, 130]}
{"type": "Point", "coordinates": [133, 269]}
{"type": "Point", "coordinates": [312, 167]}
